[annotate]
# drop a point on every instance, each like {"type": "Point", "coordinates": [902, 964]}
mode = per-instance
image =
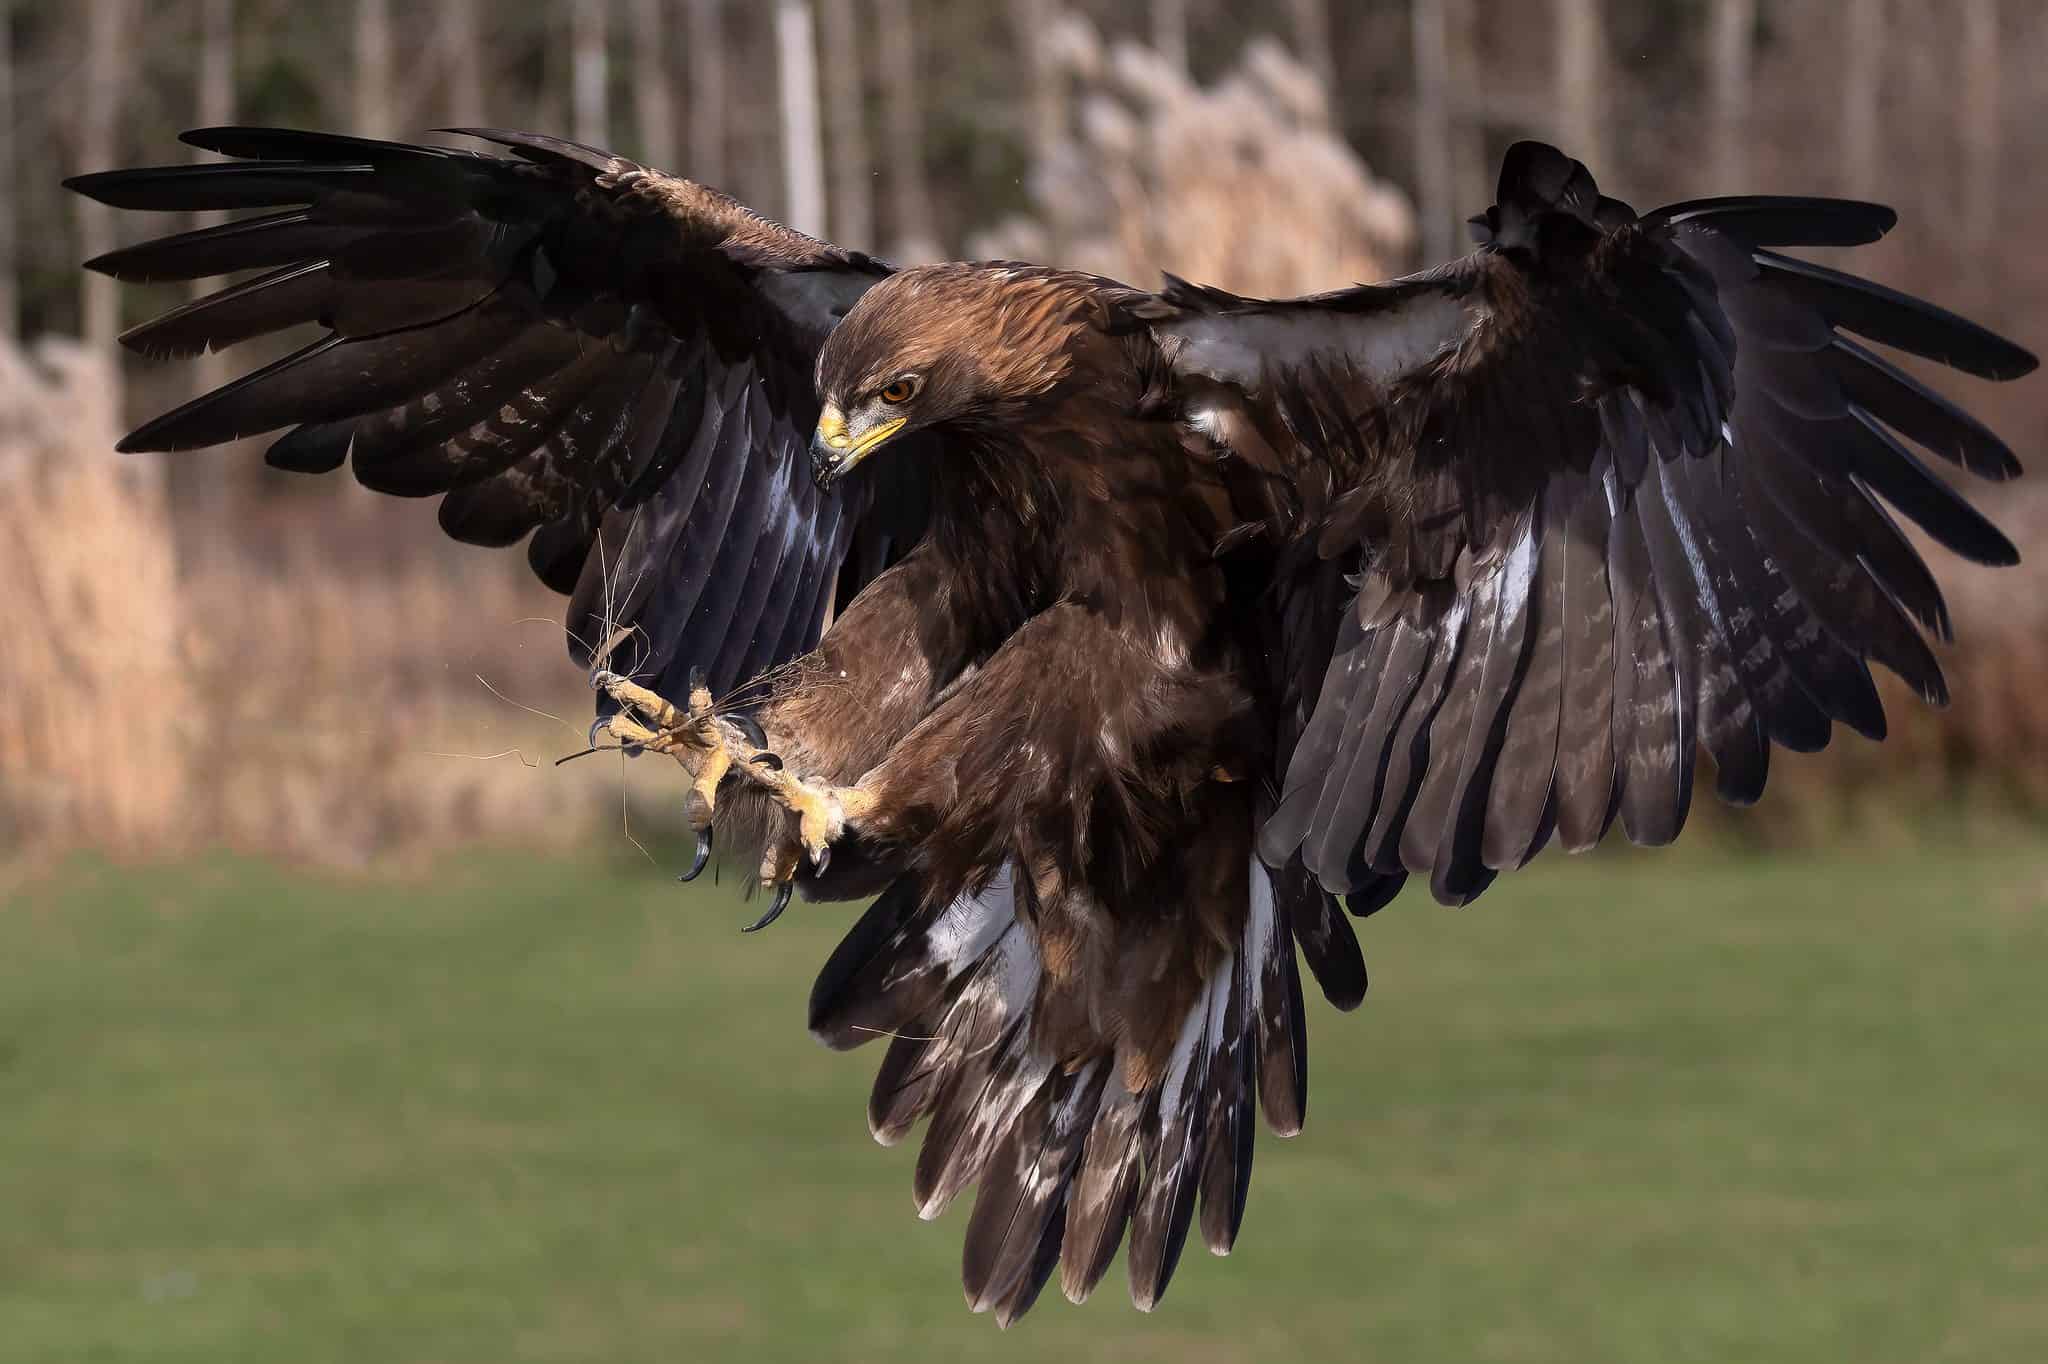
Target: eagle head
{"type": "Point", "coordinates": [960, 346]}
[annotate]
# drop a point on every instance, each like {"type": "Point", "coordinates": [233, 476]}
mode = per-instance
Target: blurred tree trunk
{"type": "Point", "coordinates": [1435, 166]}
{"type": "Point", "coordinates": [10, 303]}
{"type": "Point", "coordinates": [108, 26]}
{"type": "Point", "coordinates": [915, 238]}
{"type": "Point", "coordinates": [654, 103]}
{"type": "Point", "coordinates": [1310, 20]}
{"type": "Point", "coordinates": [462, 44]}
{"type": "Point", "coordinates": [589, 71]}
{"type": "Point", "coordinates": [1045, 100]}
{"type": "Point", "coordinates": [1730, 47]}
{"type": "Point", "coordinates": [1982, 88]}
{"type": "Point", "coordinates": [852, 171]}
{"type": "Point", "coordinates": [1580, 67]}
{"type": "Point", "coordinates": [707, 92]}
{"type": "Point", "coordinates": [803, 143]}
{"type": "Point", "coordinates": [1472, 172]}
{"type": "Point", "coordinates": [216, 106]}
{"type": "Point", "coordinates": [1046, 113]}
{"type": "Point", "coordinates": [374, 89]}
{"type": "Point", "coordinates": [376, 115]}
{"type": "Point", "coordinates": [1862, 78]}
{"type": "Point", "coordinates": [1170, 32]}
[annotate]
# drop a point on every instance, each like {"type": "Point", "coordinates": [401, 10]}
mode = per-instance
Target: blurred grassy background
{"type": "Point", "coordinates": [1627, 1107]}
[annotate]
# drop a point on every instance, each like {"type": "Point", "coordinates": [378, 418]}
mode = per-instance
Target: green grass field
{"type": "Point", "coordinates": [1636, 1108]}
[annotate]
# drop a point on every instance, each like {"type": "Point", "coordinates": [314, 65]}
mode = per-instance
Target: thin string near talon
{"type": "Point", "coordinates": [715, 745]}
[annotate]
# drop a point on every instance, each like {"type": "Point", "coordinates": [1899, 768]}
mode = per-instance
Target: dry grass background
{"type": "Point", "coordinates": [292, 688]}
{"type": "Point", "coordinates": [94, 740]}
{"type": "Point", "coordinates": [296, 671]}
{"type": "Point", "coordinates": [1163, 174]}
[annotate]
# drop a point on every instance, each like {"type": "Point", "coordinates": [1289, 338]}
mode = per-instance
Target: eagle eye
{"type": "Point", "coordinates": [899, 391]}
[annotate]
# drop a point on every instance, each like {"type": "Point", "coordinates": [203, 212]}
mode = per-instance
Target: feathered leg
{"type": "Point", "coordinates": [1078, 737]}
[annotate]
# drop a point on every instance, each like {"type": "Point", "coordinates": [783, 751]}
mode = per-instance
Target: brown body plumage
{"type": "Point", "coordinates": [1108, 637]}
{"type": "Point", "coordinates": [1053, 677]}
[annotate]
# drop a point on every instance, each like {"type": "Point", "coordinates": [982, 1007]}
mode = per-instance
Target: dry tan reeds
{"type": "Point", "coordinates": [360, 715]}
{"type": "Point", "coordinates": [322, 700]}
{"type": "Point", "coordinates": [1244, 184]}
{"type": "Point", "coordinates": [96, 709]}
{"type": "Point", "coordinates": [318, 695]}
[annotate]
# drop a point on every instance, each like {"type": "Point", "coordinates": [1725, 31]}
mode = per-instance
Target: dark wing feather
{"type": "Point", "coordinates": [560, 343]}
{"type": "Point", "coordinates": [1619, 489]}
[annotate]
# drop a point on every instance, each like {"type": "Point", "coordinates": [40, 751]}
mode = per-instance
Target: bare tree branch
{"type": "Point", "coordinates": [374, 88]}
{"type": "Point", "coordinates": [916, 238]}
{"type": "Point", "coordinates": [1862, 77]}
{"type": "Point", "coordinates": [1170, 32]}
{"type": "Point", "coordinates": [10, 303]}
{"type": "Point", "coordinates": [108, 25]}
{"type": "Point", "coordinates": [1046, 115]}
{"type": "Point", "coordinates": [851, 169]}
{"type": "Point", "coordinates": [589, 71]}
{"type": "Point", "coordinates": [1982, 89]}
{"type": "Point", "coordinates": [706, 56]}
{"type": "Point", "coordinates": [1435, 169]}
{"type": "Point", "coordinates": [1730, 46]}
{"type": "Point", "coordinates": [654, 104]}
{"type": "Point", "coordinates": [803, 149]}
{"type": "Point", "coordinates": [216, 106]}
{"type": "Point", "coordinates": [462, 45]}
{"type": "Point", "coordinates": [1310, 20]}
{"type": "Point", "coordinates": [1580, 68]}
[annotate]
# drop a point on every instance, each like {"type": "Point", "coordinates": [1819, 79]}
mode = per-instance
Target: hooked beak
{"type": "Point", "coordinates": [835, 447]}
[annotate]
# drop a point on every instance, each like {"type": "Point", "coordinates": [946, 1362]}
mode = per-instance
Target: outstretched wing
{"type": "Point", "coordinates": [1615, 488]}
{"type": "Point", "coordinates": [560, 343]}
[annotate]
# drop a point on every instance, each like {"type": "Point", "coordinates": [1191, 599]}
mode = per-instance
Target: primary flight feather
{"type": "Point", "coordinates": [1107, 637]}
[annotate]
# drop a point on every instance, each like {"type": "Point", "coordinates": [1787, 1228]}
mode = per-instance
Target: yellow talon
{"type": "Point", "coordinates": [703, 795]}
{"type": "Point", "coordinates": [627, 692]}
{"type": "Point", "coordinates": [714, 748]}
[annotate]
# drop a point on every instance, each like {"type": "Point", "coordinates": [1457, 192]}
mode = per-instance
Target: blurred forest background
{"type": "Point", "coordinates": [202, 651]}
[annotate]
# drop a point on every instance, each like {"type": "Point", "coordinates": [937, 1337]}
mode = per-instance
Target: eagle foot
{"type": "Point", "coordinates": [823, 812]}
{"type": "Point", "coordinates": [715, 748]}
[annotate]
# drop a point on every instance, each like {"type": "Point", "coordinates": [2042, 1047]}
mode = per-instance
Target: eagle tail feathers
{"type": "Point", "coordinates": [1075, 1154]}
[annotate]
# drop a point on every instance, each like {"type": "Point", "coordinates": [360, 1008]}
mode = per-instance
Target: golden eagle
{"type": "Point", "coordinates": [1116, 641]}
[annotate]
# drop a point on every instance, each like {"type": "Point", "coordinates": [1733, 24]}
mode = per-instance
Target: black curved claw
{"type": "Point", "coordinates": [750, 727]}
{"type": "Point", "coordinates": [697, 677]}
{"type": "Point", "coordinates": [703, 856]}
{"type": "Point", "coordinates": [782, 893]}
{"type": "Point", "coordinates": [822, 860]}
{"type": "Point", "coordinates": [598, 730]}
{"type": "Point", "coordinates": [767, 760]}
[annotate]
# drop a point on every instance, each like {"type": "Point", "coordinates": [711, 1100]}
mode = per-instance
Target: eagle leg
{"type": "Point", "coordinates": [822, 813]}
{"type": "Point", "coordinates": [704, 743]}
{"type": "Point", "coordinates": [713, 748]}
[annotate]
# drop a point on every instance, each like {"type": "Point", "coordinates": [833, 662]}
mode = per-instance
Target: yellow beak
{"type": "Point", "coordinates": [835, 448]}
